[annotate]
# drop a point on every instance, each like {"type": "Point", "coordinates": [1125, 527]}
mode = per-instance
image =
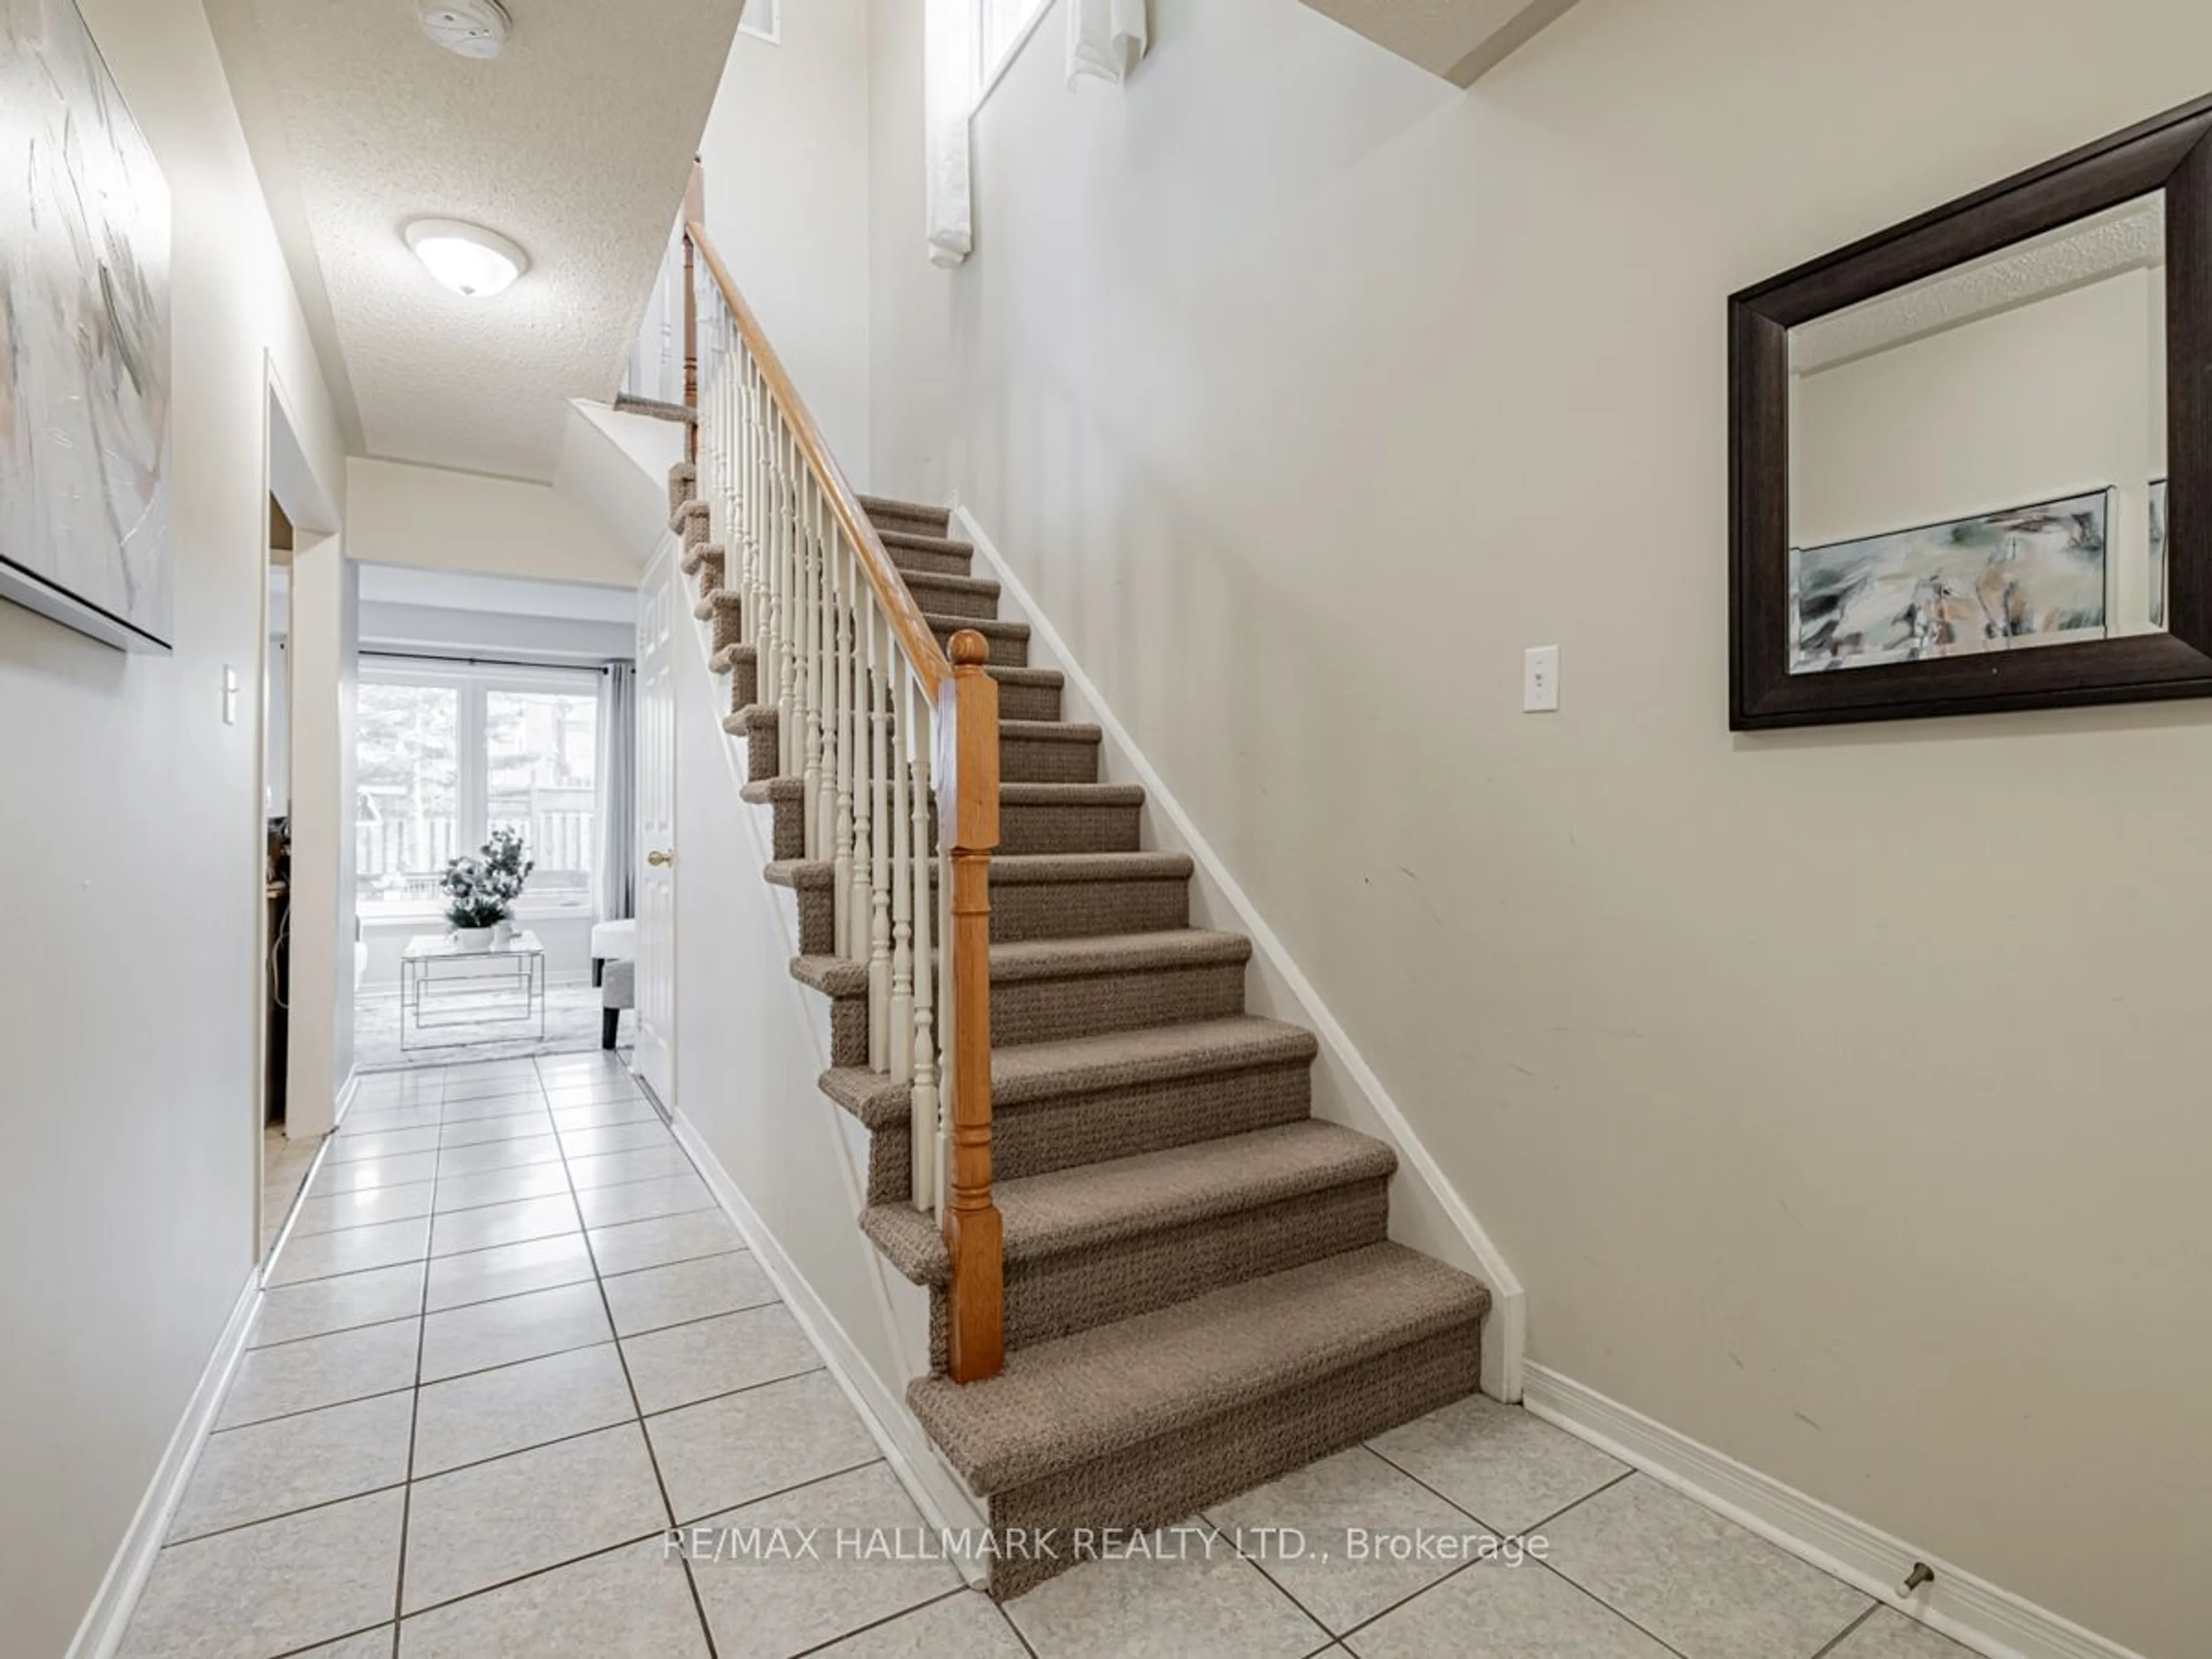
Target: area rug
{"type": "Point", "coordinates": [572, 1027]}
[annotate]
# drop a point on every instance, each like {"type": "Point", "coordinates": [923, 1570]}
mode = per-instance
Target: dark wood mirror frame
{"type": "Point", "coordinates": [2171, 152]}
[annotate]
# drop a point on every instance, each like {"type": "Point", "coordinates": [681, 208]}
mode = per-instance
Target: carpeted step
{"type": "Point", "coordinates": [1082, 895]}
{"type": "Point", "coordinates": [1047, 751]}
{"type": "Point", "coordinates": [1109, 1242]}
{"type": "Point", "coordinates": [954, 596]}
{"type": "Point", "coordinates": [887, 513]}
{"type": "Point", "coordinates": [1033, 817]}
{"type": "Point", "coordinates": [1028, 694]}
{"type": "Point", "coordinates": [659, 408]}
{"type": "Point", "coordinates": [682, 485]}
{"type": "Point", "coordinates": [725, 608]}
{"type": "Point", "coordinates": [814, 880]}
{"type": "Point", "coordinates": [1069, 817]}
{"type": "Point", "coordinates": [1054, 1105]}
{"type": "Point", "coordinates": [702, 553]}
{"type": "Point", "coordinates": [786, 797]}
{"type": "Point", "coordinates": [1048, 896]}
{"type": "Point", "coordinates": [921, 554]}
{"type": "Point", "coordinates": [1009, 641]}
{"type": "Point", "coordinates": [742, 664]}
{"type": "Point", "coordinates": [756, 726]}
{"type": "Point", "coordinates": [689, 522]}
{"type": "Point", "coordinates": [1050, 990]}
{"type": "Point", "coordinates": [1144, 1422]}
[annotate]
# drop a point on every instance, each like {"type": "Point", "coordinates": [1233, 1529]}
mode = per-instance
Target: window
{"type": "Point", "coordinates": [445, 754]}
{"type": "Point", "coordinates": [1001, 26]}
{"type": "Point", "coordinates": [763, 21]}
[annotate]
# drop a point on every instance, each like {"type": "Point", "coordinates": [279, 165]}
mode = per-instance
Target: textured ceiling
{"type": "Point", "coordinates": [575, 143]}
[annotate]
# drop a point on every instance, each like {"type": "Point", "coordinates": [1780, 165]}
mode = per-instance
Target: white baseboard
{"type": "Point", "coordinates": [946, 1505]}
{"type": "Point", "coordinates": [102, 1632]}
{"type": "Point", "coordinates": [1504, 1336]}
{"type": "Point", "coordinates": [1967, 1609]}
{"type": "Point", "coordinates": [348, 1092]}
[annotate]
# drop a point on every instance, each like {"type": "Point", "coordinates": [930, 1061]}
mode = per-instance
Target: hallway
{"type": "Point", "coordinates": [511, 1338]}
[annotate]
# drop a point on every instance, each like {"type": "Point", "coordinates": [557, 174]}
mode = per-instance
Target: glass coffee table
{"type": "Point", "coordinates": [443, 986]}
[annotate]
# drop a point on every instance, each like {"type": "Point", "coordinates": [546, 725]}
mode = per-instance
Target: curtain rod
{"type": "Point", "coordinates": [494, 662]}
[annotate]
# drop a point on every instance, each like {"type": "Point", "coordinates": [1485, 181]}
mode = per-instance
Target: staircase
{"type": "Point", "coordinates": [1200, 1293]}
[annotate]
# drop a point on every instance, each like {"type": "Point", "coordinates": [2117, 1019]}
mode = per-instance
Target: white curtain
{"type": "Point", "coordinates": [616, 874]}
{"type": "Point", "coordinates": [1105, 38]}
{"type": "Point", "coordinates": [949, 57]}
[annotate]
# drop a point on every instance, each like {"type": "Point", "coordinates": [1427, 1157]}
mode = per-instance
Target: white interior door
{"type": "Point", "coordinates": [656, 830]}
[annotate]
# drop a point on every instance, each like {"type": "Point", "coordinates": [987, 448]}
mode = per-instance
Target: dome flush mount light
{"type": "Point", "coordinates": [475, 263]}
{"type": "Point", "coordinates": [467, 28]}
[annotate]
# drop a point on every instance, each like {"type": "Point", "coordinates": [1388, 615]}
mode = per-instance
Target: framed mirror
{"type": "Point", "coordinates": [1971, 457]}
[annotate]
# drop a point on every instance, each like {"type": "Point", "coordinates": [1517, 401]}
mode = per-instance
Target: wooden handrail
{"type": "Point", "coordinates": [921, 649]}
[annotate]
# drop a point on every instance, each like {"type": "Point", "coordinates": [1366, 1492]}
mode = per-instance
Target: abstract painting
{"type": "Point", "coordinates": [84, 337]}
{"type": "Point", "coordinates": [2026, 576]}
{"type": "Point", "coordinates": [2158, 553]}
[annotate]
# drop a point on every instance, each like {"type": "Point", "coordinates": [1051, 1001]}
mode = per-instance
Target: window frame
{"type": "Point", "coordinates": [990, 70]}
{"type": "Point", "coordinates": [473, 684]}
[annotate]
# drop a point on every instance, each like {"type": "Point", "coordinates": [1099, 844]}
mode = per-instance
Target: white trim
{"type": "Point", "coordinates": [947, 1505]}
{"type": "Point", "coordinates": [1965, 1608]}
{"type": "Point", "coordinates": [105, 1621]}
{"type": "Point", "coordinates": [1504, 1332]}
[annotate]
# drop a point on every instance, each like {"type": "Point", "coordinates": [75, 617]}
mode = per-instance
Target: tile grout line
{"type": "Point", "coordinates": [890, 1618]}
{"type": "Point", "coordinates": [1848, 1631]}
{"type": "Point", "coordinates": [486, 1302]}
{"type": "Point", "coordinates": [622, 1358]}
{"type": "Point", "coordinates": [415, 1406]}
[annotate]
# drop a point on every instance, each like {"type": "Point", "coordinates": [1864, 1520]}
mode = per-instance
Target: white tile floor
{"type": "Point", "coordinates": [512, 1340]}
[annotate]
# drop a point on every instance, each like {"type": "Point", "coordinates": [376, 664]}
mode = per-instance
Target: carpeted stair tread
{"type": "Point", "coordinates": [802, 875]}
{"type": "Point", "coordinates": [1050, 732]}
{"type": "Point", "coordinates": [1026, 960]}
{"type": "Point", "coordinates": [1072, 794]}
{"type": "Point", "coordinates": [726, 658]}
{"type": "Point", "coordinates": [1021, 869]}
{"type": "Point", "coordinates": [926, 585]}
{"type": "Point", "coordinates": [1043, 1070]}
{"type": "Point", "coordinates": [988, 627]}
{"type": "Point", "coordinates": [1065, 1402]}
{"type": "Point", "coordinates": [761, 792]}
{"type": "Point", "coordinates": [1092, 1206]}
{"type": "Point", "coordinates": [888, 507]}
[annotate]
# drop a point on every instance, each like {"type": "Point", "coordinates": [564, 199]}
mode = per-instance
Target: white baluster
{"type": "Point", "coordinates": [876, 841]}
{"type": "Point", "coordinates": [928, 1115]}
{"type": "Point", "coordinates": [903, 863]}
{"type": "Point", "coordinates": [811, 675]}
{"type": "Point", "coordinates": [840, 783]}
{"type": "Point", "coordinates": [787, 707]}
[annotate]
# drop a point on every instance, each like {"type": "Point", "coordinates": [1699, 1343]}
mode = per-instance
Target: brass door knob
{"type": "Point", "coordinates": [660, 860]}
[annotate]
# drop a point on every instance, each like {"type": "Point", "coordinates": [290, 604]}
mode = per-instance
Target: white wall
{"type": "Point", "coordinates": [1833, 1094]}
{"type": "Point", "coordinates": [131, 889]}
{"type": "Point", "coordinates": [397, 513]}
{"type": "Point", "coordinates": [786, 161]}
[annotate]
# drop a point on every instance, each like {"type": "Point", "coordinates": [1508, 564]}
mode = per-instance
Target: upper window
{"type": "Point", "coordinates": [763, 21]}
{"type": "Point", "coordinates": [1001, 26]}
{"type": "Point", "coordinates": [446, 754]}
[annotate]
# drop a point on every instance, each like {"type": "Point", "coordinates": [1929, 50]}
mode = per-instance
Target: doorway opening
{"type": "Point", "coordinates": [493, 813]}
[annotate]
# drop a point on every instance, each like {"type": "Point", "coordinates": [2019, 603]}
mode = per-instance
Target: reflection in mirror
{"type": "Point", "coordinates": [1978, 461]}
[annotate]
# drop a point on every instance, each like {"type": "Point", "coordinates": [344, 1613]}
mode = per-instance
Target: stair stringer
{"type": "Point", "coordinates": [1427, 1213]}
{"type": "Point", "coordinates": [757, 1049]}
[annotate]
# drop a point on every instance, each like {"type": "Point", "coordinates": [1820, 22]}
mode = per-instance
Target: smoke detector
{"type": "Point", "coordinates": [467, 28]}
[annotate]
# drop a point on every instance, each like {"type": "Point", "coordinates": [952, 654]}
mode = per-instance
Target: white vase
{"type": "Point", "coordinates": [473, 939]}
{"type": "Point", "coordinates": [502, 934]}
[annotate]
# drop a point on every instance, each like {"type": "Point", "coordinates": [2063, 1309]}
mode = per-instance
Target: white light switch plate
{"type": "Point", "coordinates": [230, 697]}
{"type": "Point", "coordinates": [1540, 680]}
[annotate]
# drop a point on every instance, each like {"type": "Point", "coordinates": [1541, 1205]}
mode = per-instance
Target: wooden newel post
{"type": "Point", "coordinates": [968, 812]}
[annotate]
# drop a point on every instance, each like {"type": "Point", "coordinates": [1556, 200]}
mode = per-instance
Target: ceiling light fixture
{"type": "Point", "coordinates": [467, 28]}
{"type": "Point", "coordinates": [475, 263]}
